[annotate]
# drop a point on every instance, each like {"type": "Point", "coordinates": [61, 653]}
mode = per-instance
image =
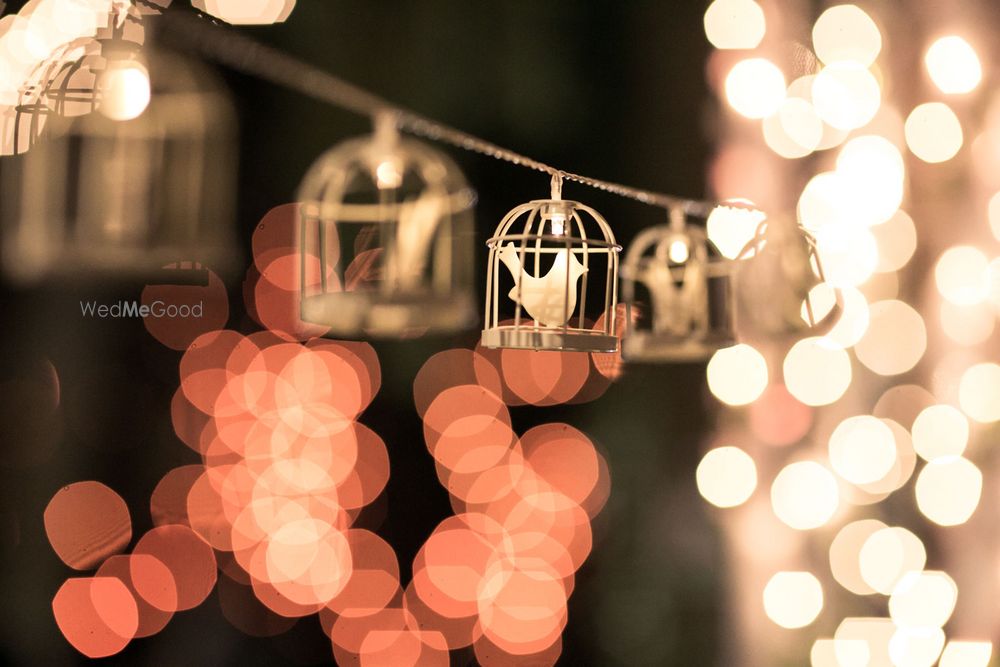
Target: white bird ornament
{"type": "Point", "coordinates": [546, 298]}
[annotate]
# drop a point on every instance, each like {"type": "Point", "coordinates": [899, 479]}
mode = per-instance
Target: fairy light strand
{"type": "Point", "coordinates": [250, 57]}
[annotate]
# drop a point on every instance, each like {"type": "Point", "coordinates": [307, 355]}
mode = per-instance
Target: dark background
{"type": "Point", "coordinates": [612, 89]}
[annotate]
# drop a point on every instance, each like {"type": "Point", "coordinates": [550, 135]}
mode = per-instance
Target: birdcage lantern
{"type": "Point", "coordinates": [66, 82]}
{"type": "Point", "coordinates": [779, 281]}
{"type": "Point", "coordinates": [132, 175]}
{"type": "Point", "coordinates": [553, 265]}
{"type": "Point", "coordinates": [385, 239]}
{"type": "Point", "coordinates": [677, 289]}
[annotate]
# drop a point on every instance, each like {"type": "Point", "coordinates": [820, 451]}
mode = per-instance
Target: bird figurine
{"type": "Point", "coordinates": [548, 299]}
{"type": "Point", "coordinates": [679, 307]}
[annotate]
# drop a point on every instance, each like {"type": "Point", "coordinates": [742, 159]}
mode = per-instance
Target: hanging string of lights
{"type": "Point", "coordinates": [248, 56]}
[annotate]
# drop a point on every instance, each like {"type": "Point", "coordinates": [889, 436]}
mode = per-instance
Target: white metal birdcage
{"type": "Point", "coordinates": [677, 289]}
{"type": "Point", "coordinates": [776, 274]}
{"type": "Point", "coordinates": [141, 178]}
{"type": "Point", "coordinates": [385, 239]}
{"type": "Point", "coordinates": [553, 265]}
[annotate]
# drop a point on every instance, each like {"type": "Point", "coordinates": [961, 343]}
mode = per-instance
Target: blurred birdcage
{"type": "Point", "coordinates": [385, 239]}
{"type": "Point", "coordinates": [560, 268]}
{"type": "Point", "coordinates": [775, 276]}
{"type": "Point", "coordinates": [133, 174]}
{"type": "Point", "coordinates": [677, 288]}
{"type": "Point", "coordinates": [66, 82]}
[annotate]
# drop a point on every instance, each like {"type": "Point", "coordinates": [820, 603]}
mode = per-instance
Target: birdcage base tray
{"type": "Point", "coordinates": [361, 314]}
{"type": "Point", "coordinates": [644, 346]}
{"type": "Point", "coordinates": [530, 338]}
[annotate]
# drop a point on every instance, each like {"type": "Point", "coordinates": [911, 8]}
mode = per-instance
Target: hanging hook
{"type": "Point", "coordinates": [557, 182]}
{"type": "Point", "coordinates": [678, 218]}
{"type": "Point", "coordinates": [386, 128]}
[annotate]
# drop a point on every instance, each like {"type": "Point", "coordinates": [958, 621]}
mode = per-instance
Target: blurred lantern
{"type": "Point", "coordinates": [65, 82]}
{"type": "Point", "coordinates": [684, 279]}
{"type": "Point", "coordinates": [774, 277]}
{"type": "Point", "coordinates": [385, 241]}
{"type": "Point", "coordinates": [136, 173]}
{"type": "Point", "coordinates": [556, 256]}
{"type": "Point", "coordinates": [247, 12]}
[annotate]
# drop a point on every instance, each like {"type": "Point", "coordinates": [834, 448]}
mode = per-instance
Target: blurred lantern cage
{"type": "Point", "coordinates": [555, 262]}
{"type": "Point", "coordinates": [134, 169]}
{"type": "Point", "coordinates": [385, 239]}
{"type": "Point", "coordinates": [779, 285]}
{"type": "Point", "coordinates": [678, 294]}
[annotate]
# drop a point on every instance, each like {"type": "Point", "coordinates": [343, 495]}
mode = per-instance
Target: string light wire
{"type": "Point", "coordinates": [243, 54]}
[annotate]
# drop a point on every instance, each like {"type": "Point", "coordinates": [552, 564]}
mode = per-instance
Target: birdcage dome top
{"type": "Point", "coordinates": [561, 221]}
{"type": "Point", "coordinates": [361, 179]}
{"type": "Point", "coordinates": [673, 247]}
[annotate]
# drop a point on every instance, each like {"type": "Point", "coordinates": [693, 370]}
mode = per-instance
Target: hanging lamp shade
{"type": "Point", "coordinates": [385, 239]}
{"type": "Point", "coordinates": [553, 265]}
{"type": "Point", "coordinates": [776, 274]}
{"type": "Point", "coordinates": [142, 180]}
{"type": "Point", "coordinates": [677, 287]}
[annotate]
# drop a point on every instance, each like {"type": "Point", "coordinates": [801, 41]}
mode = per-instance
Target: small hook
{"type": "Point", "coordinates": [557, 181]}
{"type": "Point", "coordinates": [678, 218]}
{"type": "Point", "coordinates": [386, 127]}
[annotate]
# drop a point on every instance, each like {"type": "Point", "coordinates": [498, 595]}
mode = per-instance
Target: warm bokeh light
{"type": "Point", "coordinates": [967, 325]}
{"type": "Point", "coordinates": [731, 228]}
{"type": "Point", "coordinates": [824, 202]}
{"type": "Point", "coordinates": [247, 12]}
{"type": "Point", "coordinates": [839, 653]}
{"type": "Point", "coordinates": [993, 213]}
{"type": "Point", "coordinates": [151, 586]}
{"type": "Point", "coordinates": [933, 132]}
{"type": "Point", "coordinates": [845, 554]}
{"type": "Point", "coordinates": [873, 172]}
{"type": "Point", "coordinates": [97, 615]}
{"type": "Point", "coordinates": [777, 418]}
{"type": "Point", "coordinates": [795, 130]}
{"type": "Point", "coordinates": [966, 654]}
{"type": "Point", "coordinates": [862, 449]}
{"type": "Point", "coordinates": [853, 320]}
{"type": "Point", "coordinates": [793, 599]}
{"type": "Point", "coordinates": [962, 275]}
{"type": "Point", "coordinates": [896, 239]}
{"type": "Point", "coordinates": [896, 338]}
{"type": "Point", "coordinates": [874, 632]}
{"type": "Point", "coordinates": [979, 392]}
{"type": "Point", "coordinates": [734, 24]}
{"type": "Point", "coordinates": [948, 490]}
{"type": "Point", "coordinates": [755, 87]}
{"type": "Point", "coordinates": [125, 91]}
{"type": "Point", "coordinates": [737, 375]}
{"type": "Point", "coordinates": [726, 476]}
{"type": "Point", "coordinates": [816, 373]}
{"type": "Point", "coordinates": [846, 95]}
{"type": "Point", "coordinates": [87, 522]}
{"type": "Point", "coordinates": [953, 65]}
{"type": "Point", "coordinates": [804, 495]}
{"type": "Point", "coordinates": [940, 431]}
{"type": "Point", "coordinates": [916, 647]}
{"type": "Point", "coordinates": [923, 600]}
{"type": "Point", "coordinates": [889, 554]}
{"type": "Point", "coordinates": [848, 255]}
{"type": "Point", "coordinates": [846, 32]}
